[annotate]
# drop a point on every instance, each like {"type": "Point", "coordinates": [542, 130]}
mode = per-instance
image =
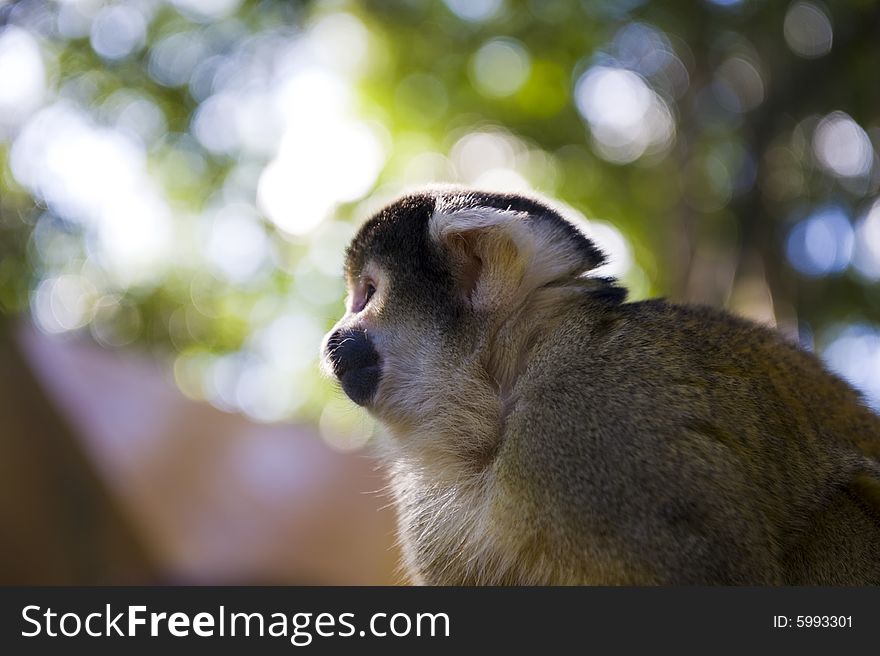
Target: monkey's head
{"type": "Point", "coordinates": [431, 279]}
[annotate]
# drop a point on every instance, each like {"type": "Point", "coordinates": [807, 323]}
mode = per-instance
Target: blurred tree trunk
{"type": "Point", "coordinates": [58, 523]}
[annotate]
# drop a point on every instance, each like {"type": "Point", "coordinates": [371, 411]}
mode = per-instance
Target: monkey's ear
{"type": "Point", "coordinates": [499, 256]}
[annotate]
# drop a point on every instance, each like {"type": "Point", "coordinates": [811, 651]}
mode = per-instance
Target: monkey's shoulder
{"type": "Point", "coordinates": [657, 367]}
{"type": "Point", "coordinates": [665, 340]}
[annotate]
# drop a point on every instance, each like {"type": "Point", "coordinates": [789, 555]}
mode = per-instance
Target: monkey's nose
{"type": "Point", "coordinates": [355, 363]}
{"type": "Point", "coordinates": [350, 349]}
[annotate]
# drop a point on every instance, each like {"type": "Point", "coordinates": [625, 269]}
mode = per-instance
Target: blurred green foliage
{"type": "Point", "coordinates": [182, 175]}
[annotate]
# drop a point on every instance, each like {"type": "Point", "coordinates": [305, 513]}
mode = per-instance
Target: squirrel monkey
{"type": "Point", "coordinates": [542, 430]}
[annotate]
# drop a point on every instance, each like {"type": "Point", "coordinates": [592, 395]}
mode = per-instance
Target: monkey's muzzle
{"type": "Point", "coordinates": [355, 363]}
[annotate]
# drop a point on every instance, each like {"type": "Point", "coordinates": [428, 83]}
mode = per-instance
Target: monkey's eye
{"type": "Point", "coordinates": [362, 295]}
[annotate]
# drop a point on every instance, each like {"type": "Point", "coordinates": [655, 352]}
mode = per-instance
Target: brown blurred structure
{"type": "Point", "coordinates": [58, 522]}
{"type": "Point", "coordinates": [109, 475]}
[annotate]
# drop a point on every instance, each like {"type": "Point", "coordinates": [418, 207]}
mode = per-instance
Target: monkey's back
{"type": "Point", "coordinates": [676, 444]}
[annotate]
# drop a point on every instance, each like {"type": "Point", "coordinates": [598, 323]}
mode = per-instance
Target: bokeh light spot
{"type": "Point", "coordinates": [822, 243]}
{"type": "Point", "coordinates": [22, 76]}
{"type": "Point", "coordinates": [842, 146]}
{"type": "Point", "coordinates": [63, 303]}
{"type": "Point", "coordinates": [626, 117]}
{"type": "Point", "coordinates": [344, 427]}
{"type": "Point", "coordinates": [500, 67]}
{"type": "Point", "coordinates": [807, 29]}
{"type": "Point", "coordinates": [237, 244]}
{"type": "Point", "coordinates": [118, 31]}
